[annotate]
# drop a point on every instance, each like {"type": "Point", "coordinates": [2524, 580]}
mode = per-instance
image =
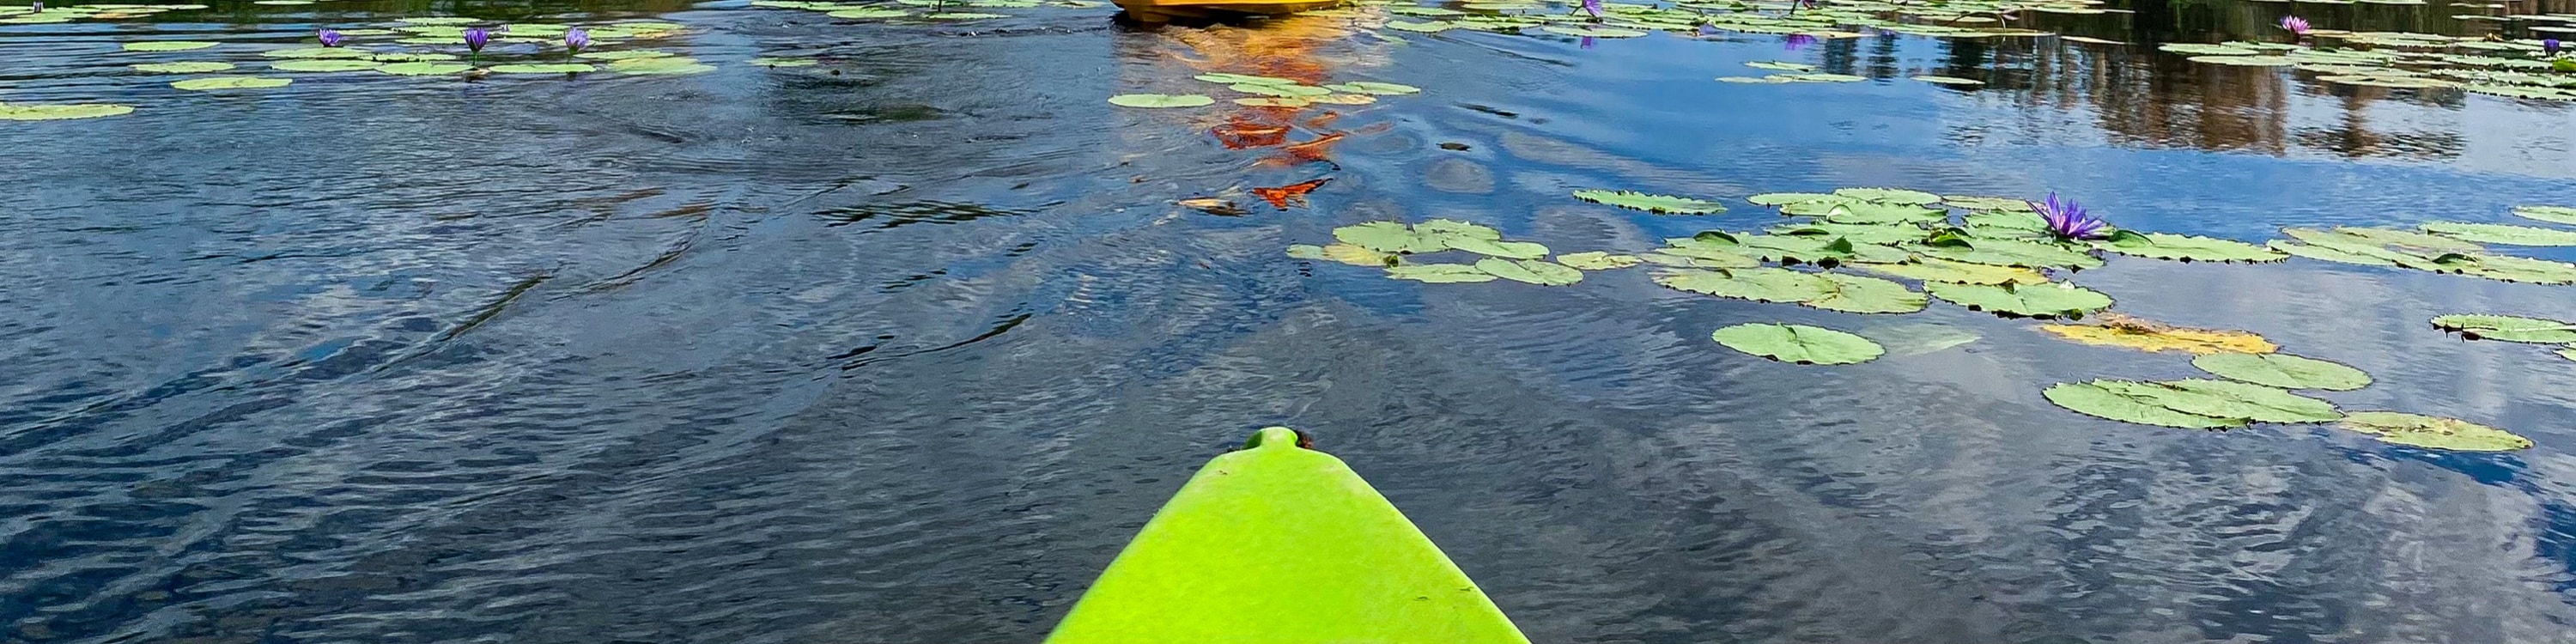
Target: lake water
{"type": "Point", "coordinates": [903, 346]}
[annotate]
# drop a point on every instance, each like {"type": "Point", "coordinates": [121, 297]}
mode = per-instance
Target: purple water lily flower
{"type": "Point", "coordinates": [328, 37]}
{"type": "Point", "coordinates": [1592, 7]}
{"type": "Point", "coordinates": [576, 39]}
{"type": "Point", "coordinates": [2295, 24]}
{"type": "Point", "coordinates": [37, 7]}
{"type": "Point", "coordinates": [2549, 46]}
{"type": "Point", "coordinates": [2066, 220]}
{"type": "Point", "coordinates": [1794, 42]}
{"type": "Point", "coordinates": [475, 38]}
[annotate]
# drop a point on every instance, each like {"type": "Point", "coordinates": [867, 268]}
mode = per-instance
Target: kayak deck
{"type": "Point", "coordinates": [1281, 544]}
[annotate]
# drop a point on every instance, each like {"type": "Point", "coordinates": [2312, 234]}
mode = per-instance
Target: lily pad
{"type": "Point", "coordinates": [2038, 301]}
{"type": "Point", "coordinates": [1949, 80]}
{"type": "Point", "coordinates": [1858, 294]}
{"type": "Point", "coordinates": [183, 67]}
{"type": "Point", "coordinates": [2283, 370]}
{"type": "Point", "coordinates": [2115, 330]}
{"type": "Point", "coordinates": [324, 65]}
{"type": "Point", "coordinates": [1761, 284]}
{"type": "Point", "coordinates": [1891, 195]}
{"type": "Point", "coordinates": [1868, 212]}
{"type": "Point", "coordinates": [1934, 269]}
{"type": "Point", "coordinates": [2432, 432]}
{"type": "Point", "coordinates": [317, 52]}
{"type": "Point", "coordinates": [1661, 204]}
{"type": "Point", "coordinates": [660, 65]}
{"type": "Point", "coordinates": [2007, 252]}
{"type": "Point", "coordinates": [1798, 343]}
{"type": "Point", "coordinates": [1344, 253]}
{"type": "Point", "coordinates": [1272, 101]}
{"type": "Point", "coordinates": [867, 14]}
{"type": "Point", "coordinates": [2100, 401]}
{"type": "Point", "coordinates": [1786, 198]}
{"type": "Point", "coordinates": [1238, 79]}
{"type": "Point", "coordinates": [1587, 31]}
{"type": "Point", "coordinates": [231, 82]}
{"type": "Point", "coordinates": [766, 61]}
{"type": "Point", "coordinates": [2503, 234]}
{"type": "Point", "coordinates": [625, 54]}
{"type": "Point", "coordinates": [425, 68]}
{"type": "Point", "coordinates": [1291, 91]}
{"type": "Point", "coordinates": [2228, 399]}
{"type": "Point", "coordinates": [2007, 204]}
{"type": "Point", "coordinates": [168, 45]}
{"type": "Point", "coordinates": [1371, 87]}
{"type": "Point", "coordinates": [60, 112]}
{"type": "Point", "coordinates": [544, 68]}
{"type": "Point", "coordinates": [2329, 253]}
{"type": "Point", "coordinates": [2021, 224]}
{"type": "Point", "coordinates": [1598, 261]}
{"type": "Point", "coordinates": [1343, 99]}
{"type": "Point", "coordinates": [1388, 237]}
{"type": "Point", "coordinates": [2551, 214]}
{"type": "Point", "coordinates": [1492, 248]}
{"type": "Point", "coordinates": [2187, 248]}
{"type": "Point", "coordinates": [1530, 270]}
{"type": "Point", "coordinates": [1440, 273]}
{"type": "Point", "coordinates": [2508, 328]}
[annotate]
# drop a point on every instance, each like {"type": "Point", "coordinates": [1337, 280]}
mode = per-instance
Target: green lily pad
{"type": "Point", "coordinates": [1530, 270]}
{"type": "Point", "coordinates": [1661, 204]}
{"type": "Point", "coordinates": [868, 14]}
{"type": "Point", "coordinates": [1288, 91]}
{"type": "Point", "coordinates": [2020, 224]}
{"type": "Point", "coordinates": [1786, 198]}
{"type": "Point", "coordinates": [2187, 248]}
{"type": "Point", "coordinates": [1934, 269]}
{"type": "Point", "coordinates": [1817, 249]}
{"type": "Point", "coordinates": [1344, 253]}
{"type": "Point", "coordinates": [424, 68]}
{"type": "Point", "coordinates": [168, 45]}
{"type": "Point", "coordinates": [1858, 294]}
{"type": "Point", "coordinates": [2329, 253]}
{"type": "Point", "coordinates": [2115, 403]}
{"type": "Point", "coordinates": [1781, 65]}
{"type": "Point", "coordinates": [1492, 248]}
{"type": "Point", "coordinates": [2432, 432]}
{"type": "Point", "coordinates": [184, 67]}
{"type": "Point", "coordinates": [2508, 328]}
{"type": "Point", "coordinates": [2283, 370]}
{"type": "Point", "coordinates": [1869, 213]}
{"type": "Point", "coordinates": [1455, 228]}
{"type": "Point", "coordinates": [1598, 261]}
{"type": "Point", "coordinates": [438, 20]}
{"type": "Point", "coordinates": [1239, 79]}
{"type": "Point", "coordinates": [2229, 399]}
{"type": "Point", "coordinates": [2551, 214]}
{"type": "Point", "coordinates": [1798, 343]}
{"type": "Point", "coordinates": [324, 65]}
{"type": "Point", "coordinates": [1919, 338]}
{"type": "Point", "coordinates": [317, 52]}
{"type": "Point", "coordinates": [1707, 254]}
{"type": "Point", "coordinates": [961, 15]}
{"type": "Point", "coordinates": [2247, 61]}
{"type": "Point", "coordinates": [1891, 195]}
{"type": "Point", "coordinates": [2503, 234]}
{"type": "Point", "coordinates": [1857, 233]}
{"type": "Point", "coordinates": [1440, 273]}
{"type": "Point", "coordinates": [410, 57]}
{"type": "Point", "coordinates": [1389, 237]}
{"type": "Point", "coordinates": [2568, 352]}
{"type": "Point", "coordinates": [2038, 301]}
{"type": "Point", "coordinates": [1587, 31]}
{"type": "Point", "coordinates": [2513, 269]}
{"type": "Point", "coordinates": [1370, 87]}
{"type": "Point", "coordinates": [1423, 26]}
{"type": "Point", "coordinates": [2354, 239]}
{"type": "Point", "coordinates": [660, 65]}
{"type": "Point", "coordinates": [626, 54]}
{"type": "Point", "coordinates": [783, 62]}
{"type": "Point", "coordinates": [62, 112]}
{"type": "Point", "coordinates": [2007, 252]}
{"type": "Point", "coordinates": [544, 68]}
{"type": "Point", "coordinates": [1949, 80]}
{"type": "Point", "coordinates": [231, 82]}
{"type": "Point", "coordinates": [1758, 284]}
{"type": "Point", "coordinates": [2005, 204]}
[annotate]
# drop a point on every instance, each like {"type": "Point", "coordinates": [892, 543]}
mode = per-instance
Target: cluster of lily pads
{"type": "Point", "coordinates": [2510, 328]}
{"type": "Point", "coordinates": [39, 13]}
{"type": "Point", "coordinates": [2514, 68]}
{"type": "Point", "coordinates": [1836, 19]}
{"type": "Point", "coordinates": [1270, 91]}
{"type": "Point", "coordinates": [932, 10]}
{"type": "Point", "coordinates": [1847, 250]}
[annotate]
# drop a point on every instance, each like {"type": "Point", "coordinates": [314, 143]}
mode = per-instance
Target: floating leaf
{"type": "Point", "coordinates": [2039, 301]}
{"type": "Point", "coordinates": [1663, 204]}
{"type": "Point", "coordinates": [2095, 399]}
{"type": "Point", "coordinates": [1869, 213]}
{"type": "Point", "coordinates": [2187, 248]}
{"type": "Point", "coordinates": [1592, 32]}
{"type": "Point", "coordinates": [1857, 233]}
{"type": "Point", "coordinates": [544, 68]}
{"type": "Point", "coordinates": [1919, 338]}
{"type": "Point", "coordinates": [1987, 203]}
{"type": "Point", "coordinates": [1236, 79]}
{"type": "Point", "coordinates": [2508, 328]}
{"type": "Point", "coordinates": [1786, 198]}
{"type": "Point", "coordinates": [2343, 238]}
{"type": "Point", "coordinates": [186, 67]}
{"type": "Point", "coordinates": [1530, 270]}
{"type": "Point", "coordinates": [324, 65]}
{"type": "Point", "coordinates": [317, 52]}
{"type": "Point", "coordinates": [1439, 273]}
{"type": "Point", "coordinates": [1161, 100]}
{"type": "Point", "coordinates": [1598, 261]}
{"type": "Point", "coordinates": [1344, 253]}
{"type": "Point", "coordinates": [2116, 330]}
{"type": "Point", "coordinates": [2329, 253]}
{"type": "Point", "coordinates": [1758, 284]}
{"type": "Point", "coordinates": [962, 15]}
{"type": "Point", "coordinates": [2503, 234]}
{"type": "Point", "coordinates": [1709, 255]}
{"type": "Point", "coordinates": [1370, 87]}
{"type": "Point", "coordinates": [867, 14]}
{"type": "Point", "coordinates": [2432, 432]}
{"type": "Point", "coordinates": [766, 61]}
{"type": "Point", "coordinates": [1389, 237]}
{"type": "Point", "coordinates": [1343, 99]}
{"type": "Point", "coordinates": [2551, 214]}
{"type": "Point", "coordinates": [2509, 268]}
{"type": "Point", "coordinates": [1425, 26]}
{"type": "Point", "coordinates": [2228, 399]}
{"type": "Point", "coordinates": [1857, 294]}
{"type": "Point", "coordinates": [1798, 343]}
{"type": "Point", "coordinates": [1781, 65]}
{"type": "Point", "coordinates": [662, 65]}
{"type": "Point", "coordinates": [1452, 227]}
{"type": "Point", "coordinates": [1934, 269]}
{"type": "Point", "coordinates": [2283, 370]}
{"type": "Point", "coordinates": [1491, 248]}
{"type": "Point", "coordinates": [1269, 101]}
{"type": "Point", "coordinates": [168, 45]}
{"type": "Point", "coordinates": [424, 68]}
{"type": "Point", "coordinates": [1949, 80]}
{"type": "Point", "coordinates": [1293, 91]}
{"type": "Point", "coordinates": [1891, 195]}
{"type": "Point", "coordinates": [65, 112]}
{"type": "Point", "coordinates": [628, 54]}
{"type": "Point", "coordinates": [2007, 252]}
{"type": "Point", "coordinates": [2018, 223]}
{"type": "Point", "coordinates": [231, 82]}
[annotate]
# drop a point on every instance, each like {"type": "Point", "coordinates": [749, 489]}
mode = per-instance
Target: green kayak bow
{"type": "Point", "coordinates": [1279, 544]}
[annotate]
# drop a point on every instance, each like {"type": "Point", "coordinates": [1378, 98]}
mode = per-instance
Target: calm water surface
{"type": "Point", "coordinates": [904, 353]}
